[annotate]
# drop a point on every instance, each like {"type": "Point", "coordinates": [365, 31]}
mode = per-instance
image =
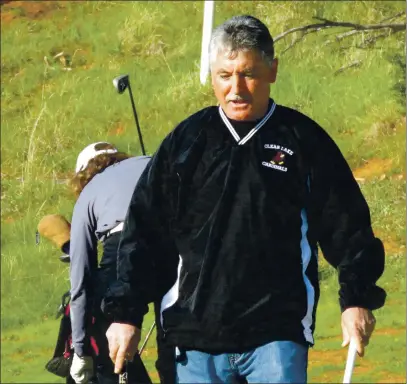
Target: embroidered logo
{"type": "Point", "coordinates": [278, 160]}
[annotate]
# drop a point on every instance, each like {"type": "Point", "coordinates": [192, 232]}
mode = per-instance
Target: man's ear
{"type": "Point", "coordinates": [273, 71]}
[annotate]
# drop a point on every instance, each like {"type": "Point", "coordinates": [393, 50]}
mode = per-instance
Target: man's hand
{"type": "Point", "coordinates": [358, 324]}
{"type": "Point", "coordinates": [123, 343]}
{"type": "Point", "coordinates": [82, 369]}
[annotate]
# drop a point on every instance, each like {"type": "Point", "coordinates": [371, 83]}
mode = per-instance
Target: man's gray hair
{"type": "Point", "coordinates": [242, 33]}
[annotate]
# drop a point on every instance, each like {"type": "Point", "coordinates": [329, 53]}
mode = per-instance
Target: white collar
{"type": "Point", "coordinates": [252, 132]}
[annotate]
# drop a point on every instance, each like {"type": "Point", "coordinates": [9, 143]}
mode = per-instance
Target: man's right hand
{"type": "Point", "coordinates": [123, 343]}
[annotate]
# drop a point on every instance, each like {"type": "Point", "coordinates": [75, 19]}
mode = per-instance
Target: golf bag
{"type": "Point", "coordinates": [61, 361]}
{"type": "Point", "coordinates": [60, 364]}
{"type": "Point", "coordinates": [57, 229]}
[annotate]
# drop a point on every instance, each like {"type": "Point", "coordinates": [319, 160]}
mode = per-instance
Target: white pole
{"type": "Point", "coordinates": [206, 37]}
{"type": "Point", "coordinates": [350, 362]}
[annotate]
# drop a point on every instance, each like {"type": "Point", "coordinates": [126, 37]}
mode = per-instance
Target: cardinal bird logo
{"type": "Point", "coordinates": [278, 158]}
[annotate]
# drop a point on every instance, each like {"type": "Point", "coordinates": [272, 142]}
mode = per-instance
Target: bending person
{"type": "Point", "coordinates": [104, 181]}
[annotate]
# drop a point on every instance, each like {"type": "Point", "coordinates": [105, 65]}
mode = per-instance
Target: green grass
{"type": "Point", "coordinates": [49, 114]}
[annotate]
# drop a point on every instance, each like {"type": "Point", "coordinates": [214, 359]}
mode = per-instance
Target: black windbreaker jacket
{"type": "Point", "coordinates": [226, 231]}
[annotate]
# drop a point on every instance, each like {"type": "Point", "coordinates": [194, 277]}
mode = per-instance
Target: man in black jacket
{"type": "Point", "coordinates": [230, 211]}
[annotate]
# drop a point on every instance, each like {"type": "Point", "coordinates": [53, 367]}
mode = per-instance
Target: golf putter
{"type": "Point", "coordinates": [350, 362]}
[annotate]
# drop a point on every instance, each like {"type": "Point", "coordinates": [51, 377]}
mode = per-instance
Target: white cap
{"type": "Point", "coordinates": [90, 152]}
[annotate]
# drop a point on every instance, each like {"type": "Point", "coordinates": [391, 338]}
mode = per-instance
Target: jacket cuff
{"type": "Point", "coordinates": [132, 319]}
{"type": "Point", "coordinates": [121, 307]}
{"type": "Point", "coordinates": [122, 313]}
{"type": "Point", "coordinates": [372, 297]}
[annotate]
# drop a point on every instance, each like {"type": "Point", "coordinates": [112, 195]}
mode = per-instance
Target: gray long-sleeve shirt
{"type": "Point", "coordinates": [101, 206]}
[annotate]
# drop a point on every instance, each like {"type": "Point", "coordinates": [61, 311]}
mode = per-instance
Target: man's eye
{"type": "Point", "coordinates": [249, 75]}
{"type": "Point", "coordinates": [224, 76]}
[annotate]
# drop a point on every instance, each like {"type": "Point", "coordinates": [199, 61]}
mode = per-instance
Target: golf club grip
{"type": "Point", "coordinates": [123, 377]}
{"type": "Point", "coordinates": [350, 362]}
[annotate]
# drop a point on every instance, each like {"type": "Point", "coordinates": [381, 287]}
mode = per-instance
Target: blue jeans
{"type": "Point", "coordinates": [276, 362]}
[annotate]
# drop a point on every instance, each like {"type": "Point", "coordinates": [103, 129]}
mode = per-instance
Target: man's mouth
{"type": "Point", "coordinates": [239, 102]}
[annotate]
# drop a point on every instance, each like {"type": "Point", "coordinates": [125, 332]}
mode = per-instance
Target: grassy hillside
{"type": "Point", "coordinates": [58, 60]}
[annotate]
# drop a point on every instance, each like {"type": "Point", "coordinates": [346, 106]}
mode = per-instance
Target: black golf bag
{"type": "Point", "coordinates": [60, 364]}
{"type": "Point", "coordinates": [61, 361]}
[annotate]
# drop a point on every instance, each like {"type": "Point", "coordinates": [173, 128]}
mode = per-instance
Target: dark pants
{"type": "Point", "coordinates": [165, 363]}
{"type": "Point", "coordinates": [136, 372]}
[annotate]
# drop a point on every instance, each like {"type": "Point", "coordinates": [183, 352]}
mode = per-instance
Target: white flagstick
{"type": "Point", "coordinates": [206, 37]}
{"type": "Point", "coordinates": [350, 362]}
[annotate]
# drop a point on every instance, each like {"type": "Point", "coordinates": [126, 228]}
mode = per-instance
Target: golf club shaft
{"type": "Point", "coordinates": [350, 362]}
{"type": "Point", "coordinates": [136, 118]}
{"type": "Point", "coordinates": [146, 339]}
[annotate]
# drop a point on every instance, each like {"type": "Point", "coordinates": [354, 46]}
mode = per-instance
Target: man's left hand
{"type": "Point", "coordinates": [358, 324]}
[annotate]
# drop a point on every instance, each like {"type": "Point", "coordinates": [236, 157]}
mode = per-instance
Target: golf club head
{"type": "Point", "coordinates": [121, 83]}
{"type": "Point", "coordinates": [65, 258]}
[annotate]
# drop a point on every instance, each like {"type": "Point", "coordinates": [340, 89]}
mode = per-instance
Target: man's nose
{"type": "Point", "coordinates": [237, 84]}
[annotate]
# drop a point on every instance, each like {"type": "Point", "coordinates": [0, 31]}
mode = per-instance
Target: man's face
{"type": "Point", "coordinates": [242, 84]}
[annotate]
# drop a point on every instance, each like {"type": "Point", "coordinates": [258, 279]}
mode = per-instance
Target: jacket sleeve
{"type": "Point", "coordinates": [345, 233]}
{"type": "Point", "coordinates": [83, 264]}
{"type": "Point", "coordinates": [147, 257]}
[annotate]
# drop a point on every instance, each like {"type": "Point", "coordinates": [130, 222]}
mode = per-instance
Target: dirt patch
{"type": "Point", "coordinates": [154, 376]}
{"type": "Point", "coordinates": [318, 358]}
{"type": "Point", "coordinates": [150, 351]}
{"type": "Point", "coordinates": [338, 358]}
{"type": "Point", "coordinates": [400, 176]}
{"type": "Point", "coordinates": [33, 10]}
{"type": "Point", "coordinates": [335, 358]}
{"type": "Point", "coordinates": [373, 168]}
{"type": "Point", "coordinates": [388, 377]}
{"type": "Point", "coordinates": [9, 220]}
{"type": "Point", "coordinates": [391, 247]}
{"type": "Point", "coordinates": [117, 130]}
{"type": "Point", "coordinates": [389, 332]}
